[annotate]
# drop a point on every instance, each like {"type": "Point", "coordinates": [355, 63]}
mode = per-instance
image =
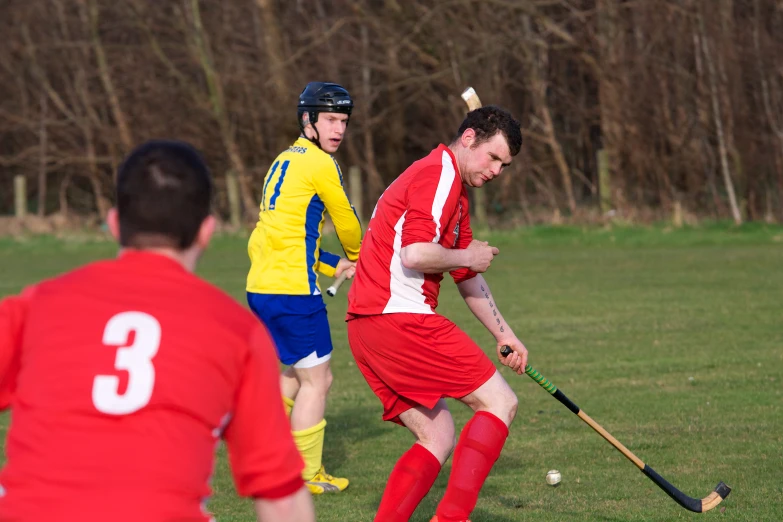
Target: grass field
{"type": "Point", "coordinates": [671, 340]}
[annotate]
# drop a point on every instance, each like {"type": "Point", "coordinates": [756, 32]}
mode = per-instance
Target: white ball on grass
{"type": "Point", "coordinates": [553, 477]}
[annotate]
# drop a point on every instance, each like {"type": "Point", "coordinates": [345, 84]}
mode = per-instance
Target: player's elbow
{"type": "Point", "coordinates": [351, 231]}
{"type": "Point", "coordinates": [297, 507]}
{"type": "Point", "coordinates": [412, 257]}
{"type": "Point", "coordinates": [351, 239]}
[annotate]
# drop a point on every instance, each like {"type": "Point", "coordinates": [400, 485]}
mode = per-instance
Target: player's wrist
{"type": "Point", "coordinates": [506, 337]}
{"type": "Point", "coordinates": [464, 258]}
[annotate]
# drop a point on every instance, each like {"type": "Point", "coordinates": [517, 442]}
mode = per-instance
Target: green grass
{"type": "Point", "coordinates": [672, 340]}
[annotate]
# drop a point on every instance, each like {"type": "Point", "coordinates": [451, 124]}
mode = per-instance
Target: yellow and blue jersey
{"type": "Point", "coordinates": [285, 252]}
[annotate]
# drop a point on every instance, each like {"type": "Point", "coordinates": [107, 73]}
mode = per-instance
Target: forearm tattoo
{"type": "Point", "coordinates": [492, 306]}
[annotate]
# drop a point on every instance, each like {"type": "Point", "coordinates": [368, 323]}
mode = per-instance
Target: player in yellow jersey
{"type": "Point", "coordinates": [285, 254]}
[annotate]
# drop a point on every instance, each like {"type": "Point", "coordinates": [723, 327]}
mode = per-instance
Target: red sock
{"type": "Point", "coordinates": [410, 480]}
{"type": "Point", "coordinates": [476, 452]}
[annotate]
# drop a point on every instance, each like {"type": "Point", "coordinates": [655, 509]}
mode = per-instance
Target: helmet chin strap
{"type": "Point", "coordinates": [317, 139]}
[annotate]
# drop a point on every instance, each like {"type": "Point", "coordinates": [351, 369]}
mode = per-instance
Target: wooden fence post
{"type": "Point", "coordinates": [604, 181]}
{"type": "Point", "coordinates": [20, 196]}
{"type": "Point", "coordinates": [232, 191]}
{"type": "Point", "coordinates": [677, 219]}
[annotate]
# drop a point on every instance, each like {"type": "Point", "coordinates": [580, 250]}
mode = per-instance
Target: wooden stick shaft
{"type": "Point", "coordinates": [332, 290]}
{"type": "Point", "coordinates": [471, 98]}
{"type": "Point", "coordinates": [614, 442]}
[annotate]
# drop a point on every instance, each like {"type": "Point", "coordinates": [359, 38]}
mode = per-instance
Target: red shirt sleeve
{"type": "Point", "coordinates": [13, 312]}
{"type": "Point", "coordinates": [432, 200]}
{"type": "Point", "coordinates": [464, 239]}
{"type": "Point", "coordinates": [263, 456]}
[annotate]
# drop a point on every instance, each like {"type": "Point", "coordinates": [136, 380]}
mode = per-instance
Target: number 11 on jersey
{"type": "Point", "coordinates": [276, 193]}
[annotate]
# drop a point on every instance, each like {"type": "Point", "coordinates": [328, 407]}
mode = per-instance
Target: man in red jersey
{"type": "Point", "coordinates": [412, 357]}
{"type": "Point", "coordinates": [122, 376]}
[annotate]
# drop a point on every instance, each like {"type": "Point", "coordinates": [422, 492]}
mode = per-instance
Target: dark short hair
{"type": "Point", "coordinates": [164, 192]}
{"type": "Point", "coordinates": [488, 121]}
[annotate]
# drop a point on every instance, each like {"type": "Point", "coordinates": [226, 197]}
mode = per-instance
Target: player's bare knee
{"type": "Point", "coordinates": [323, 383]}
{"type": "Point", "coordinates": [440, 442]}
{"type": "Point", "coordinates": [504, 406]}
{"type": "Point", "coordinates": [318, 387]}
{"type": "Point", "coordinates": [447, 436]}
{"type": "Point", "coordinates": [446, 449]}
{"type": "Point", "coordinates": [327, 385]}
{"type": "Point", "coordinates": [506, 402]}
{"type": "Point", "coordinates": [513, 404]}
{"type": "Point", "coordinates": [447, 441]}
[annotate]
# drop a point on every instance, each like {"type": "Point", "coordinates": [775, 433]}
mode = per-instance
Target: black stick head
{"type": "Point", "coordinates": [723, 490]}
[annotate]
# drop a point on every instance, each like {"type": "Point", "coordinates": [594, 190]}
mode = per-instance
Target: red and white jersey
{"type": "Point", "coordinates": [427, 203]}
{"type": "Point", "coordinates": [122, 377]}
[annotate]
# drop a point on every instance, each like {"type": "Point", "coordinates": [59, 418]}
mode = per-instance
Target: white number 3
{"type": "Point", "coordinates": [136, 359]}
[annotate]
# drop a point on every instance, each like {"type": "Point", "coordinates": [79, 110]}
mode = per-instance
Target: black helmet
{"type": "Point", "coordinates": [323, 97]}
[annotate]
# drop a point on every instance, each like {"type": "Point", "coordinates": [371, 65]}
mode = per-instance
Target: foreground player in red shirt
{"type": "Point", "coordinates": [122, 376]}
{"type": "Point", "coordinates": [412, 357]}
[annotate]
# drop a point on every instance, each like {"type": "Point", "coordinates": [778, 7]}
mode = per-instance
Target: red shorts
{"type": "Point", "coordinates": [414, 360]}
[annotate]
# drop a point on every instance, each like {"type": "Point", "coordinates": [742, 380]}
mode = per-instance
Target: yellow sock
{"type": "Point", "coordinates": [311, 446]}
{"type": "Point", "coordinates": [288, 404]}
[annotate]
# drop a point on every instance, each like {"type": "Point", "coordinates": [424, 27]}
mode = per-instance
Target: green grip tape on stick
{"type": "Point", "coordinates": [533, 373]}
{"type": "Point", "coordinates": [505, 351]}
{"type": "Point", "coordinates": [540, 379]}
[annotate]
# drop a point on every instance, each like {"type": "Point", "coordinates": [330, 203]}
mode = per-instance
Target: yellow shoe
{"type": "Point", "coordinates": [323, 482]}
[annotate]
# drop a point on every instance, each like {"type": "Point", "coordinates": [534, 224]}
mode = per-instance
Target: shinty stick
{"type": "Point", "coordinates": [693, 504]}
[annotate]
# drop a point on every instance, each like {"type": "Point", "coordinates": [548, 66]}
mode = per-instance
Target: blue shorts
{"type": "Point", "coordinates": [297, 323]}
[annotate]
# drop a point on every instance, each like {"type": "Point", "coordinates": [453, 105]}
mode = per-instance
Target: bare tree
{"type": "Point", "coordinates": [718, 120]}
{"type": "Point", "coordinates": [104, 71]}
{"type": "Point", "coordinates": [684, 97]}
{"type": "Point", "coordinates": [537, 53]}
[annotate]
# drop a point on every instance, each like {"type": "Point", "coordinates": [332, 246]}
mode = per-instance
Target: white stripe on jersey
{"type": "Point", "coordinates": [405, 285]}
{"type": "Point", "coordinates": [445, 182]}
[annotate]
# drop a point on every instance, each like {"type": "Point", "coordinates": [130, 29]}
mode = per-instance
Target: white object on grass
{"type": "Point", "coordinates": [553, 477]}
